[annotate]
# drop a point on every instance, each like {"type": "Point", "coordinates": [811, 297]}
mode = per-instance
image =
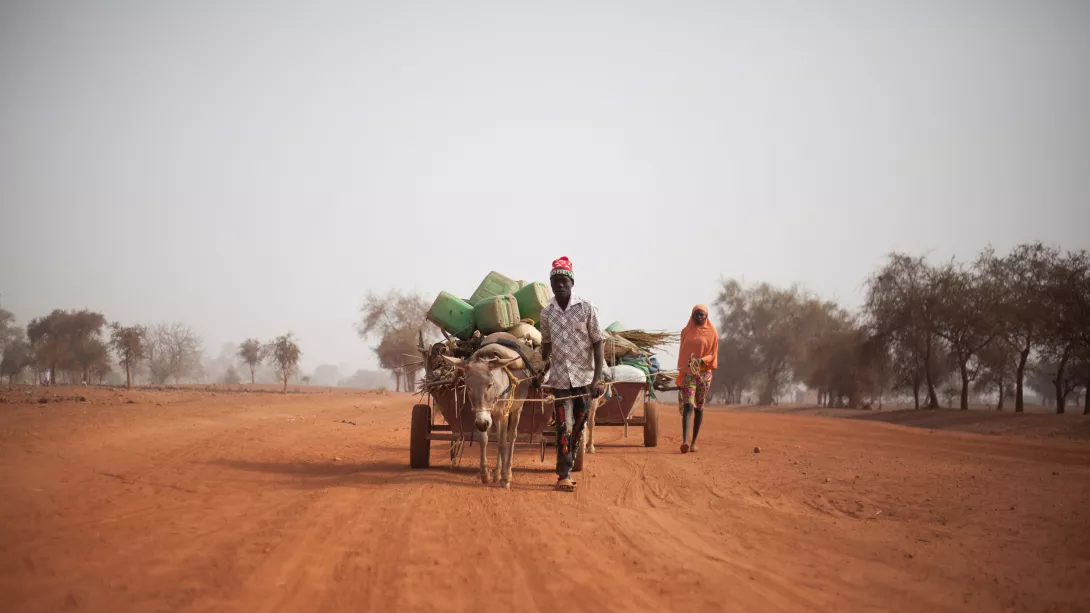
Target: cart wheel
{"type": "Point", "coordinates": [419, 445]}
{"type": "Point", "coordinates": [651, 425]}
{"type": "Point", "coordinates": [580, 453]}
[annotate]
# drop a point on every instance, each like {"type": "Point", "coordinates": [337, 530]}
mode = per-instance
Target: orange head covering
{"type": "Point", "coordinates": [701, 341]}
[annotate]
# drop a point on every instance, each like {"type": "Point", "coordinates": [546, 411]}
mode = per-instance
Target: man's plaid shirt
{"type": "Point", "coordinates": [572, 334]}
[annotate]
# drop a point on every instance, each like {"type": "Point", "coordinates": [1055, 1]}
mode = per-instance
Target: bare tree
{"type": "Point", "coordinates": [252, 353]}
{"type": "Point", "coordinates": [174, 352]}
{"type": "Point", "coordinates": [902, 306]}
{"type": "Point", "coordinates": [1079, 312]}
{"type": "Point", "coordinates": [965, 317]}
{"type": "Point", "coordinates": [17, 355]}
{"type": "Point", "coordinates": [284, 354]}
{"type": "Point", "coordinates": [397, 320]}
{"type": "Point", "coordinates": [130, 346]}
{"type": "Point", "coordinates": [773, 328]}
{"type": "Point", "coordinates": [47, 343]}
{"type": "Point", "coordinates": [1023, 276]}
{"type": "Point", "coordinates": [393, 311]}
{"type": "Point", "coordinates": [1066, 334]}
{"type": "Point", "coordinates": [88, 351]}
{"type": "Point", "coordinates": [395, 351]}
{"type": "Point", "coordinates": [68, 342]}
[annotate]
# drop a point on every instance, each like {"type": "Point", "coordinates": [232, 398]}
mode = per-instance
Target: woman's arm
{"type": "Point", "coordinates": [713, 353]}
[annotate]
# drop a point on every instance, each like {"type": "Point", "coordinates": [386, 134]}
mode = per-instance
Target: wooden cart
{"type": "Point", "coordinates": [619, 409]}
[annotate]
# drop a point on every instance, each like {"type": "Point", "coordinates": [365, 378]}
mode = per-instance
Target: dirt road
{"type": "Point", "coordinates": [188, 501]}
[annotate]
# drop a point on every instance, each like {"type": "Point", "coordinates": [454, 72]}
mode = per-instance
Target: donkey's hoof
{"type": "Point", "coordinates": [590, 449]}
{"type": "Point", "coordinates": [485, 479]}
{"type": "Point", "coordinates": [506, 485]}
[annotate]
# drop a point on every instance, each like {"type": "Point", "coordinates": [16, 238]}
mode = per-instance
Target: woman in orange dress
{"type": "Point", "coordinates": [698, 357]}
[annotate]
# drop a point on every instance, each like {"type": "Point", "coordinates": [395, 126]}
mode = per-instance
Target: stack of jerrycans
{"type": "Point", "coordinates": [498, 304]}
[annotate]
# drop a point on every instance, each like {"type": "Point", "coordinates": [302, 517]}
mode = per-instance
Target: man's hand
{"type": "Point", "coordinates": [597, 390]}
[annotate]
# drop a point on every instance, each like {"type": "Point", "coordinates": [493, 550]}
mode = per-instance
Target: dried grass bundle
{"type": "Point", "coordinates": [649, 340]}
{"type": "Point", "coordinates": [666, 380]}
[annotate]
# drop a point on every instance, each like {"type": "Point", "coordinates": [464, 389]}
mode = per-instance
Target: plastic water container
{"type": "Point", "coordinates": [496, 314]}
{"type": "Point", "coordinates": [494, 284]}
{"type": "Point", "coordinates": [532, 299]}
{"type": "Point", "coordinates": [453, 315]}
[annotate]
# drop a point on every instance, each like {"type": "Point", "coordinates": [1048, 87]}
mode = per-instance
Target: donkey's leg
{"type": "Point", "coordinates": [501, 437]}
{"type": "Point", "coordinates": [512, 438]}
{"type": "Point", "coordinates": [482, 437]}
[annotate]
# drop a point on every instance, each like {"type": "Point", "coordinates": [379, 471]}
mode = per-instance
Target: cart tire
{"type": "Point", "coordinates": [651, 425]}
{"type": "Point", "coordinates": [577, 465]}
{"type": "Point", "coordinates": [419, 445]}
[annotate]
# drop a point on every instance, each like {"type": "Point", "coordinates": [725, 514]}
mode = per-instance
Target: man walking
{"type": "Point", "coordinates": [571, 343]}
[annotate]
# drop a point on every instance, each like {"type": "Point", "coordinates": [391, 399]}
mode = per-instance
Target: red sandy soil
{"type": "Point", "coordinates": [201, 501]}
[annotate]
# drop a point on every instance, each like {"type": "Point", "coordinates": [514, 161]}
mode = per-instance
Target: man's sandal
{"type": "Point", "coordinates": [565, 485]}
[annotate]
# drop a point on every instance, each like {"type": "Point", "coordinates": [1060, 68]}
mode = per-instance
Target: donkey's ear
{"type": "Point", "coordinates": [457, 362]}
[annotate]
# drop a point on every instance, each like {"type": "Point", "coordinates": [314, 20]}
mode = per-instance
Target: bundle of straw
{"type": "Point", "coordinates": [666, 380]}
{"type": "Point", "coordinates": [617, 346]}
{"type": "Point", "coordinates": [649, 340]}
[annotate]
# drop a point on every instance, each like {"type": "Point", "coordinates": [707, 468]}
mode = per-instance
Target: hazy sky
{"type": "Point", "coordinates": [255, 168]}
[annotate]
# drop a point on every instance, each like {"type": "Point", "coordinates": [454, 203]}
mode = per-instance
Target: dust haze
{"type": "Point", "coordinates": [235, 217]}
{"type": "Point", "coordinates": [253, 172]}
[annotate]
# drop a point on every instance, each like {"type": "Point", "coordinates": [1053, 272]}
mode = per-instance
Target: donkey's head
{"type": "Point", "coordinates": [486, 383]}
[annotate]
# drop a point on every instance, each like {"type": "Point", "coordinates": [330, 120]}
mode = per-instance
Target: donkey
{"type": "Point", "coordinates": [496, 397]}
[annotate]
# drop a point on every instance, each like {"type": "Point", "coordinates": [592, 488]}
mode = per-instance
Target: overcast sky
{"type": "Point", "coordinates": [255, 168]}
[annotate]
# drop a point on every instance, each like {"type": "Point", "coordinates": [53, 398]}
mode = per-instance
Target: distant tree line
{"type": "Point", "coordinates": [925, 330]}
{"type": "Point", "coordinates": [72, 347]}
{"type": "Point", "coordinates": [68, 345]}
{"type": "Point", "coordinates": [993, 327]}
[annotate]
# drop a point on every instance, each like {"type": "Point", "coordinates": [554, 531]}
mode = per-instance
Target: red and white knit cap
{"type": "Point", "coordinates": [562, 266]}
